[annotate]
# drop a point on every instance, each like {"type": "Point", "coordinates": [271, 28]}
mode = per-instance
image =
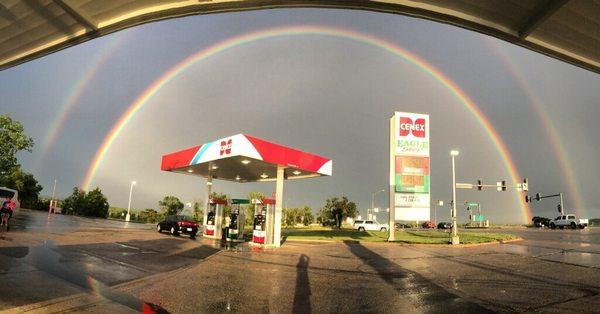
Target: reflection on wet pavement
{"type": "Point", "coordinates": [113, 267]}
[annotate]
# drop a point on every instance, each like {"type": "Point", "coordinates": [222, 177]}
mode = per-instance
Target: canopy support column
{"type": "Point", "coordinates": [208, 193]}
{"type": "Point", "coordinates": [278, 206]}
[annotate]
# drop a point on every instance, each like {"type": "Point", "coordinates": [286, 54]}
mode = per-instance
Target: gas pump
{"type": "Point", "coordinates": [264, 214]}
{"type": "Point", "coordinates": [214, 218]}
{"type": "Point", "coordinates": [259, 233]}
{"type": "Point", "coordinates": [237, 220]}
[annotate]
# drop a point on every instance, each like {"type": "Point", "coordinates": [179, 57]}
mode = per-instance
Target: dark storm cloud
{"type": "Point", "coordinates": [323, 95]}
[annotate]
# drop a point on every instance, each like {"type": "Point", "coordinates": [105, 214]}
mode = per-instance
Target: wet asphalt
{"type": "Point", "coordinates": [62, 263]}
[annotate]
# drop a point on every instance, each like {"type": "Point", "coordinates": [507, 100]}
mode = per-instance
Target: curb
{"type": "Point", "coordinates": [407, 244]}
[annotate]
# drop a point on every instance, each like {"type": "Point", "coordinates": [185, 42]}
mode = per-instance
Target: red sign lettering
{"type": "Point", "coordinates": [225, 147]}
{"type": "Point", "coordinates": [407, 127]}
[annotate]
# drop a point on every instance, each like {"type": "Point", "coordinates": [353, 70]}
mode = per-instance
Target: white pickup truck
{"type": "Point", "coordinates": [568, 221]}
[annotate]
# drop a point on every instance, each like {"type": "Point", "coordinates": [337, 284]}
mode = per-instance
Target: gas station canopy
{"type": "Point", "coordinates": [243, 158]}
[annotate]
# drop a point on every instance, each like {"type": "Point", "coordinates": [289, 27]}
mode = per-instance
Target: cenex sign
{"type": "Point", "coordinates": [409, 166]}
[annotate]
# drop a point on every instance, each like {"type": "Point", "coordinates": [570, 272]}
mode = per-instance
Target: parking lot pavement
{"type": "Point", "coordinates": [47, 257]}
{"type": "Point", "coordinates": [358, 277]}
{"type": "Point", "coordinates": [51, 266]}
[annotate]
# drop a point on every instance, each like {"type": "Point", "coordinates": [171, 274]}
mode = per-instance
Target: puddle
{"type": "Point", "coordinates": [578, 258]}
{"type": "Point", "coordinates": [523, 250]}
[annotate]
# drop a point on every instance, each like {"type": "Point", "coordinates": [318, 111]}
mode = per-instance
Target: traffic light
{"type": "Point", "coordinates": [503, 185]}
{"type": "Point", "coordinates": [559, 208]}
{"type": "Point", "coordinates": [538, 196]}
{"type": "Point", "coordinates": [480, 184]}
{"type": "Point", "coordinates": [527, 199]}
{"type": "Point", "coordinates": [525, 186]}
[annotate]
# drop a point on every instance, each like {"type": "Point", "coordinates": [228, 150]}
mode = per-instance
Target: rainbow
{"type": "Point", "coordinates": [554, 138]}
{"type": "Point", "coordinates": [305, 30]}
{"type": "Point", "coordinates": [73, 97]}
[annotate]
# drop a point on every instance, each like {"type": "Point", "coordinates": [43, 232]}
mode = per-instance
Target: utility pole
{"type": "Point", "coordinates": [373, 203]}
{"type": "Point", "coordinates": [435, 206]}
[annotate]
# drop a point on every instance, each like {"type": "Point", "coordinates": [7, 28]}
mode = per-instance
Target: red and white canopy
{"type": "Point", "coordinates": [244, 158]}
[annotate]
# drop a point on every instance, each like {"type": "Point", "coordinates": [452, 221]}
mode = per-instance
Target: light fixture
{"type": "Point", "coordinates": [296, 172]}
{"type": "Point", "coordinates": [190, 170]}
{"type": "Point", "coordinates": [237, 178]}
{"type": "Point", "coordinates": [245, 161]}
{"type": "Point", "coordinates": [214, 167]}
{"type": "Point", "coordinates": [453, 153]}
{"type": "Point", "coordinates": [264, 176]}
{"type": "Point", "coordinates": [133, 182]}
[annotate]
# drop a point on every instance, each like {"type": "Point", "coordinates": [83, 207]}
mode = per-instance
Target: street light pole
{"type": "Point", "coordinates": [52, 200]}
{"type": "Point", "coordinates": [455, 239]}
{"type": "Point", "coordinates": [128, 217]}
{"type": "Point", "coordinates": [373, 202]}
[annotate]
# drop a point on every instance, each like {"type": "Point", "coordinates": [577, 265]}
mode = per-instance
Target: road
{"type": "Point", "coordinates": [62, 263]}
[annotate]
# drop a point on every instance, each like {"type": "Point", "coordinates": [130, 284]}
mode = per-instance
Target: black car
{"type": "Point", "coordinates": [177, 224]}
{"type": "Point", "coordinates": [444, 225]}
{"type": "Point", "coordinates": [541, 221]}
{"type": "Point", "coordinates": [400, 226]}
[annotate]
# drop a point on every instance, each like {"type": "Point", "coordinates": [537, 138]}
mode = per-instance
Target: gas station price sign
{"type": "Point", "coordinates": [409, 165]}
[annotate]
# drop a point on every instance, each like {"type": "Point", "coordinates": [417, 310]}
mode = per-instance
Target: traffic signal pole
{"type": "Point", "coordinates": [562, 207]}
{"type": "Point", "coordinates": [538, 197]}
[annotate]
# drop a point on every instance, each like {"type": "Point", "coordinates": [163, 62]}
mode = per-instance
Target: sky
{"type": "Point", "coordinates": [326, 95]}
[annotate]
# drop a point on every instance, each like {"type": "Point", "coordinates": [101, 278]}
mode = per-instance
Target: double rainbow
{"type": "Point", "coordinates": [554, 138]}
{"type": "Point", "coordinates": [305, 30]}
{"type": "Point", "coordinates": [74, 97]}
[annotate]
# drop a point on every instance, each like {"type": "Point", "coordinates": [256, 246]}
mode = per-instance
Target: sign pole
{"type": "Point", "coordinates": [392, 190]}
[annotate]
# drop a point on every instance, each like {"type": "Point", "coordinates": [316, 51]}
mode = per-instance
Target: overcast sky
{"type": "Point", "coordinates": [325, 95]}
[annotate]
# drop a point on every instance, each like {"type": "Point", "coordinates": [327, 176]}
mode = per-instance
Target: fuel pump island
{"type": "Point", "coordinates": [243, 158]}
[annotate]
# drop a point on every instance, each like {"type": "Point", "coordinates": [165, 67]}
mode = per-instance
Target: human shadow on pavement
{"type": "Point", "coordinates": [424, 294]}
{"type": "Point", "coordinates": [302, 292]}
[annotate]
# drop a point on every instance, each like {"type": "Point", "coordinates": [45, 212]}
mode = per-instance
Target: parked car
{"type": "Point", "coordinates": [541, 221]}
{"type": "Point", "coordinates": [444, 225]}
{"type": "Point", "coordinates": [401, 226]}
{"type": "Point", "coordinates": [12, 194]}
{"type": "Point", "coordinates": [428, 225]}
{"type": "Point", "coordinates": [177, 224]}
{"type": "Point", "coordinates": [369, 225]}
{"type": "Point", "coordinates": [568, 221]}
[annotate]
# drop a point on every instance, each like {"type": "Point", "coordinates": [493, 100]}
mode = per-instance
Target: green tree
{"type": "Point", "coordinates": [198, 210]}
{"type": "Point", "coordinates": [337, 209]}
{"type": "Point", "coordinates": [96, 204]}
{"type": "Point", "coordinates": [82, 203]}
{"type": "Point", "coordinates": [295, 216]}
{"type": "Point", "coordinates": [170, 205]}
{"type": "Point", "coordinates": [12, 140]}
{"type": "Point", "coordinates": [307, 215]}
{"type": "Point", "coordinates": [150, 215]}
{"type": "Point", "coordinates": [26, 184]}
{"type": "Point", "coordinates": [73, 204]}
